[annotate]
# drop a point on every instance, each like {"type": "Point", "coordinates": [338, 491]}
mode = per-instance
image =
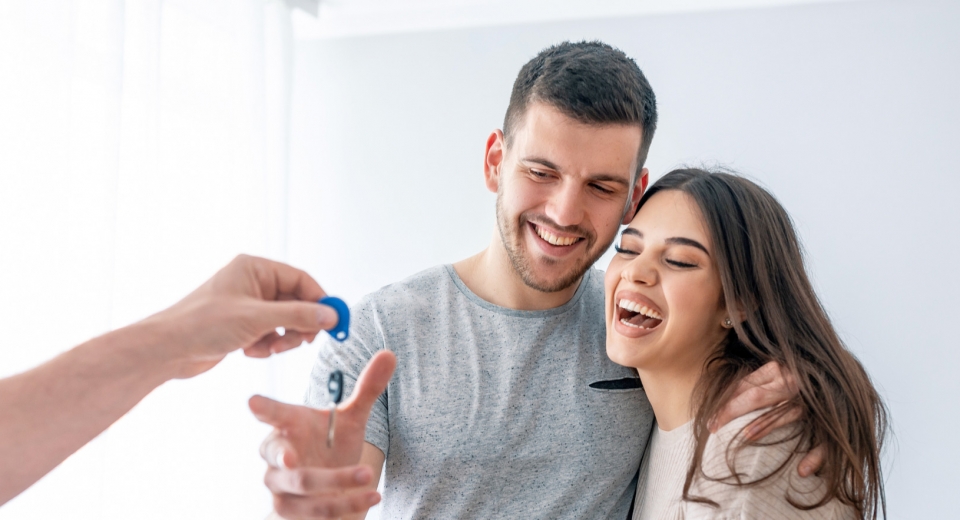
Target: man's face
{"type": "Point", "coordinates": [563, 188]}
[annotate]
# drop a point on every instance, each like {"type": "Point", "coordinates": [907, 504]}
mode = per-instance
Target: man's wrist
{"type": "Point", "coordinates": [146, 345]}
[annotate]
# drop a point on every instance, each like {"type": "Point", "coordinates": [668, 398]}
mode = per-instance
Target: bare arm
{"type": "Point", "coordinates": [53, 410]}
{"type": "Point", "coordinates": [49, 412]}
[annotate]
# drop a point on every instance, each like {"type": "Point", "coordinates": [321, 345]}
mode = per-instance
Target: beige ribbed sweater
{"type": "Point", "coordinates": [664, 470]}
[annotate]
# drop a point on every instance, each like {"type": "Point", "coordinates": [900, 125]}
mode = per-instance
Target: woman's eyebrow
{"type": "Point", "coordinates": [680, 241]}
{"type": "Point", "coordinates": [687, 242]}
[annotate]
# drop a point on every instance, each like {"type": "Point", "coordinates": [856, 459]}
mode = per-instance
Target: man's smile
{"type": "Point", "coordinates": [556, 243]}
{"type": "Point", "coordinates": [555, 239]}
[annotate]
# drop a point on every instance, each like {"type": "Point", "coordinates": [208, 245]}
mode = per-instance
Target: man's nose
{"type": "Point", "coordinates": [565, 207]}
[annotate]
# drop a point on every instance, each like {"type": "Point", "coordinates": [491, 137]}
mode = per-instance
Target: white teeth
{"type": "Point", "coordinates": [627, 323]}
{"type": "Point", "coordinates": [554, 239]}
{"type": "Point", "coordinates": [642, 309]}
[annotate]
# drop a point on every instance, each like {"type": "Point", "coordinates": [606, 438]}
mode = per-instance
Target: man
{"type": "Point", "coordinates": [53, 410]}
{"type": "Point", "coordinates": [504, 403]}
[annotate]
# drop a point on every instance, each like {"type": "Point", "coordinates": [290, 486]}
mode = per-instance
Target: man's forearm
{"type": "Point", "coordinates": [51, 411]}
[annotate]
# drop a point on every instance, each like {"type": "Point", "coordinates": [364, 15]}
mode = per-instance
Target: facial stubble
{"type": "Point", "coordinates": [511, 233]}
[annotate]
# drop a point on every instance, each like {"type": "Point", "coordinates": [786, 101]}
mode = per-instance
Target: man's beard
{"type": "Point", "coordinates": [511, 233]}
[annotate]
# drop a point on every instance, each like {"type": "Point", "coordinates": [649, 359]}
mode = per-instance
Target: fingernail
{"type": "Point", "coordinates": [805, 470]}
{"type": "Point", "coordinates": [373, 498]}
{"type": "Point", "coordinates": [362, 476]}
{"type": "Point", "coordinates": [327, 316]}
{"type": "Point", "coordinates": [748, 434]}
{"type": "Point", "coordinates": [280, 463]}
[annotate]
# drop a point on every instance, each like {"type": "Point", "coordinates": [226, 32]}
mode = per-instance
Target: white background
{"type": "Point", "coordinates": [143, 143]}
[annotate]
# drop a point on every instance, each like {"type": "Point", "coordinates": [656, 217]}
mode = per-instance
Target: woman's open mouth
{"type": "Point", "coordinates": [637, 315]}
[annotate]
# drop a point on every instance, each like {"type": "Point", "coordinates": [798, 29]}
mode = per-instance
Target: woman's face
{"type": "Point", "coordinates": [664, 304]}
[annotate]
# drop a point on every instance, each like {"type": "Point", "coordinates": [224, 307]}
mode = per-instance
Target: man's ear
{"type": "Point", "coordinates": [493, 160]}
{"type": "Point", "coordinates": [638, 189]}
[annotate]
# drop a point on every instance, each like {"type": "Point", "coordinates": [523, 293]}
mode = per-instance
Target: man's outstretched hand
{"type": "Point", "coordinates": [767, 386]}
{"type": "Point", "coordinates": [307, 479]}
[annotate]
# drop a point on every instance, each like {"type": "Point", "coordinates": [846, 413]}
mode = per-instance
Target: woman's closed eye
{"type": "Point", "coordinates": [624, 251]}
{"type": "Point", "coordinates": [681, 265]}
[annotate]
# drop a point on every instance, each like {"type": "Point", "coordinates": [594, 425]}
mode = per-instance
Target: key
{"type": "Point", "coordinates": [335, 388]}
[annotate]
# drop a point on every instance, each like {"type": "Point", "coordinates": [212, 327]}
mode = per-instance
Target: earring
{"type": "Point", "coordinates": [727, 323]}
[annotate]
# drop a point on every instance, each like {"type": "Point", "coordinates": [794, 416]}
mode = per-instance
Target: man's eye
{"type": "Point", "coordinates": [602, 189]}
{"type": "Point", "coordinates": [538, 173]}
{"type": "Point", "coordinates": [682, 265]}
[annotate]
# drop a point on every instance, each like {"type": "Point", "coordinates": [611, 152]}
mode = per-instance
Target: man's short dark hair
{"type": "Point", "coordinates": [590, 82]}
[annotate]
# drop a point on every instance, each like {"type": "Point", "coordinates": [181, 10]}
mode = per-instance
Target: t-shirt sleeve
{"type": "Point", "coordinates": [351, 356]}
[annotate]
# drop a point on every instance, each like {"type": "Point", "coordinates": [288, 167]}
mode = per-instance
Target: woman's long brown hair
{"type": "Point", "coordinates": [760, 262]}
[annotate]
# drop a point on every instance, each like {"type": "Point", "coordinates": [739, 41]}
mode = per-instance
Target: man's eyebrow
{"type": "Point", "coordinates": [541, 161]}
{"type": "Point", "coordinates": [681, 241]}
{"type": "Point", "coordinates": [606, 177]}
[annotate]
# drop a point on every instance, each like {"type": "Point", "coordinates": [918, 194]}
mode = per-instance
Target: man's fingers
{"type": "Point", "coordinates": [261, 349]}
{"type": "Point", "coordinates": [276, 414]}
{"type": "Point", "coordinates": [768, 373]}
{"type": "Point", "coordinates": [766, 386]}
{"type": "Point", "coordinates": [811, 462]}
{"type": "Point", "coordinates": [290, 340]}
{"type": "Point", "coordinates": [372, 381]}
{"type": "Point", "coordinates": [313, 481]}
{"type": "Point", "coordinates": [293, 507]}
{"type": "Point", "coordinates": [764, 424]}
{"type": "Point", "coordinates": [279, 453]}
{"type": "Point", "coordinates": [274, 343]}
{"type": "Point", "coordinates": [743, 404]}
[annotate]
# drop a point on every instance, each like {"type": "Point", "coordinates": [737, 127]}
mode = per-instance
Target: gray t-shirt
{"type": "Point", "coordinates": [491, 412]}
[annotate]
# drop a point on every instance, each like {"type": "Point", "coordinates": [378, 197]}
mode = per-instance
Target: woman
{"type": "Point", "coordinates": [707, 285]}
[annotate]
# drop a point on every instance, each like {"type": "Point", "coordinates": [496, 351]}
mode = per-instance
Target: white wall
{"type": "Point", "coordinates": [848, 112]}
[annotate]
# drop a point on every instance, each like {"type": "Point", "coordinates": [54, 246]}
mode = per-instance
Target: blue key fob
{"type": "Point", "coordinates": [342, 331]}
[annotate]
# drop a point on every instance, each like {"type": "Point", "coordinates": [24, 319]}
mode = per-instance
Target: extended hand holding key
{"type": "Point", "coordinates": [307, 478]}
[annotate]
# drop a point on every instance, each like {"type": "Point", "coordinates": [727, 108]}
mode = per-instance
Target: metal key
{"type": "Point", "coordinates": [335, 388]}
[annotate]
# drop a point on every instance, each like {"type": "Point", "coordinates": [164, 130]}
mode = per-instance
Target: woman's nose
{"type": "Point", "coordinates": [641, 270]}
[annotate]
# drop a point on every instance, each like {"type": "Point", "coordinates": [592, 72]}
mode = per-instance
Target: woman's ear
{"type": "Point", "coordinates": [731, 314]}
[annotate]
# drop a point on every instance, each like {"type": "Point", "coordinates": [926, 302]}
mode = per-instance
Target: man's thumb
{"type": "Point", "coordinates": [373, 381]}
